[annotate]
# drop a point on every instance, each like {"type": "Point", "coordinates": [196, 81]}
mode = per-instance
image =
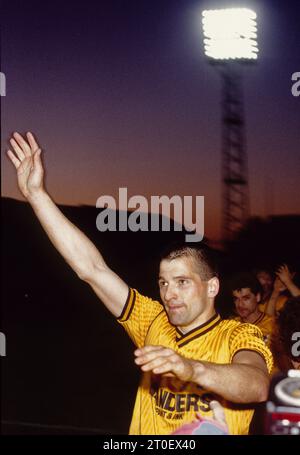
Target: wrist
{"type": "Point", "coordinates": [198, 370]}
{"type": "Point", "coordinates": [288, 282]}
{"type": "Point", "coordinates": [36, 196]}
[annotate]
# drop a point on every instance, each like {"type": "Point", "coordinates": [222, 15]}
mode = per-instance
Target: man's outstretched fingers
{"type": "Point", "coordinates": [148, 348]}
{"type": "Point", "coordinates": [164, 367]}
{"type": "Point", "coordinates": [22, 143]}
{"type": "Point", "coordinates": [147, 355]}
{"type": "Point", "coordinates": [32, 142]}
{"type": "Point", "coordinates": [17, 149]}
{"type": "Point", "coordinates": [13, 159]}
{"type": "Point", "coordinates": [160, 362]}
{"type": "Point", "coordinates": [37, 162]}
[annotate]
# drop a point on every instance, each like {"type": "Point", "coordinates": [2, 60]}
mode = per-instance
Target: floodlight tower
{"type": "Point", "coordinates": [229, 41]}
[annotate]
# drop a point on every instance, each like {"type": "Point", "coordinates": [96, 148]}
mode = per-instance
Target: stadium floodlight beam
{"type": "Point", "coordinates": [230, 39]}
{"type": "Point", "coordinates": [230, 34]}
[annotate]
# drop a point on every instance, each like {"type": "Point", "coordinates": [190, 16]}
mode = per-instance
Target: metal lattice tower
{"type": "Point", "coordinates": [234, 156]}
{"type": "Point", "coordinates": [230, 41]}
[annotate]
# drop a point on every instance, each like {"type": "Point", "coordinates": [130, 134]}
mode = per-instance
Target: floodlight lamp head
{"type": "Point", "coordinates": [230, 34]}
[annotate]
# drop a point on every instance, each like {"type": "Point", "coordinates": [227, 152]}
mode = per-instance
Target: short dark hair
{"type": "Point", "coordinates": [266, 269]}
{"type": "Point", "coordinates": [245, 280]}
{"type": "Point", "coordinates": [203, 256]}
{"type": "Point", "coordinates": [288, 322]}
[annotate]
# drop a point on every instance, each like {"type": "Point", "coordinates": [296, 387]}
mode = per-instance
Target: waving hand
{"type": "Point", "coordinates": [26, 157]}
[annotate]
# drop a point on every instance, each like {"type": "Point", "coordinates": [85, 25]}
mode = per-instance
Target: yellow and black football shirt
{"type": "Point", "coordinates": [163, 404]}
{"type": "Point", "coordinates": [266, 324]}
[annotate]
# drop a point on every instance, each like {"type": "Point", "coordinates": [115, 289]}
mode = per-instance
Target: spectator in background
{"type": "Point", "coordinates": [283, 285]}
{"type": "Point", "coordinates": [266, 280]}
{"type": "Point", "coordinates": [246, 292]}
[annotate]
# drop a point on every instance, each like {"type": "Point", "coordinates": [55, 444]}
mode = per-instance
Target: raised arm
{"type": "Point", "coordinates": [271, 304]}
{"type": "Point", "coordinates": [287, 278]}
{"type": "Point", "coordinates": [78, 251]}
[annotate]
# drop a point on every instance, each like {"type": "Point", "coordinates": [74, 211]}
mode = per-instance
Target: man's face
{"type": "Point", "coordinates": [184, 294]}
{"type": "Point", "coordinates": [265, 280]}
{"type": "Point", "coordinates": [245, 302]}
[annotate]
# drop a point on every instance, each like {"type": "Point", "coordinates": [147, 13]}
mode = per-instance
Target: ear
{"type": "Point", "coordinates": [258, 297]}
{"type": "Point", "coordinates": [213, 286]}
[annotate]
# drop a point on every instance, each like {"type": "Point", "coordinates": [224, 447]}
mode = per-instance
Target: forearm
{"type": "Point", "coordinates": [237, 383]}
{"type": "Point", "coordinates": [293, 289]}
{"type": "Point", "coordinates": [78, 251]}
{"type": "Point", "coordinates": [271, 304]}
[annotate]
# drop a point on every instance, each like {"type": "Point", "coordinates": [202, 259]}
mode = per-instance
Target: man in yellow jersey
{"type": "Point", "coordinates": [246, 293]}
{"type": "Point", "coordinates": [188, 355]}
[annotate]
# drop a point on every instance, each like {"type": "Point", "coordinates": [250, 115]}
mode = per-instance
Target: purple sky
{"type": "Point", "coordinates": [120, 94]}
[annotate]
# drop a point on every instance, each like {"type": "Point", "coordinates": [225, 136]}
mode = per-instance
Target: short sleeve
{"type": "Point", "coordinates": [137, 315]}
{"type": "Point", "coordinates": [249, 337]}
